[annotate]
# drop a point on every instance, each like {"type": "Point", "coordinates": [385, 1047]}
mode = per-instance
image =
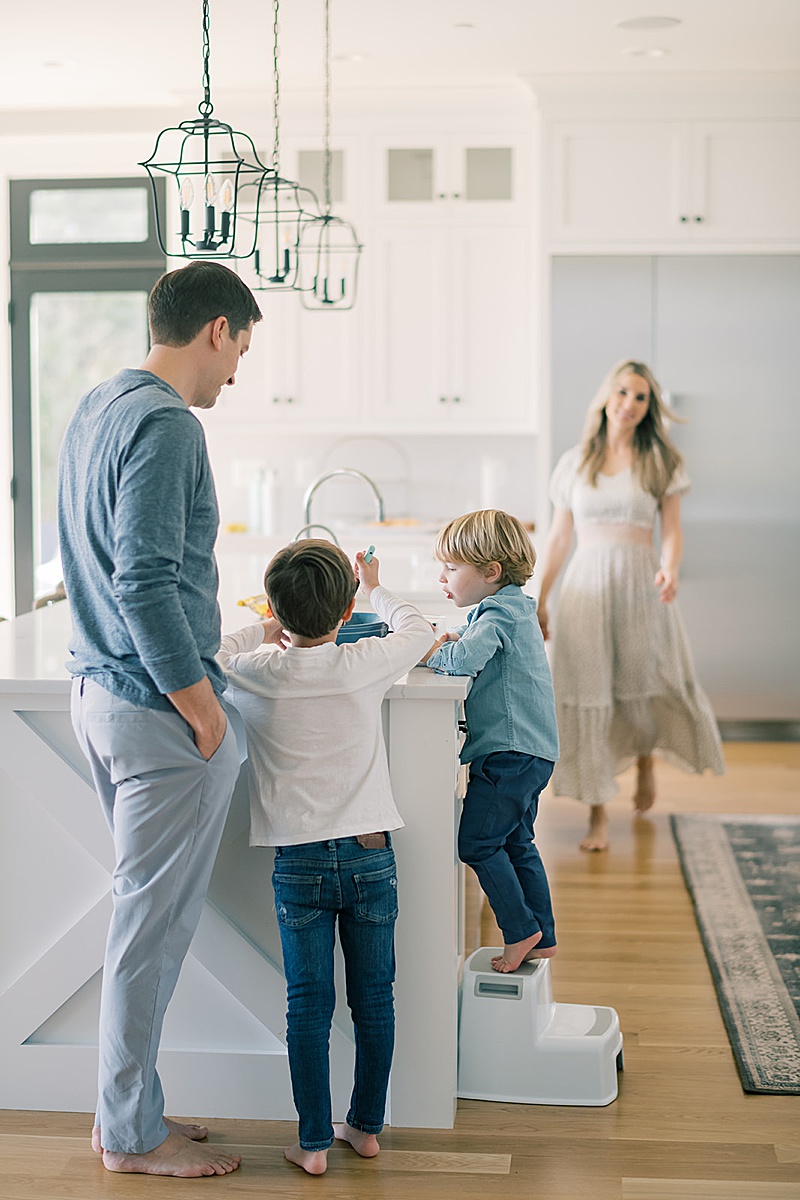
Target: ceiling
{"type": "Point", "coordinates": [92, 53]}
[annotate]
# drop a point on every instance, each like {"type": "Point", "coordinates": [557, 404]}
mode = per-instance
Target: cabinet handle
{"type": "Point", "coordinates": [698, 219]}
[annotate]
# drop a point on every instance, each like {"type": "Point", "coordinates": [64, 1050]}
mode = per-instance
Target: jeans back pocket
{"type": "Point", "coordinates": [297, 898]}
{"type": "Point", "coordinates": [377, 895]}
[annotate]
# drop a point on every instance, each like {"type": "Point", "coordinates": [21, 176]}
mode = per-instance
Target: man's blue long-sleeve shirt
{"type": "Point", "coordinates": [510, 705]}
{"type": "Point", "coordinates": [138, 519]}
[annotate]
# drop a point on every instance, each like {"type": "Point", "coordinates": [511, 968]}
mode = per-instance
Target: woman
{"type": "Point", "coordinates": [623, 674]}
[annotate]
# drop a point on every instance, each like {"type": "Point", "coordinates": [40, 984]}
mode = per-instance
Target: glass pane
{"type": "Point", "coordinates": [87, 215]}
{"type": "Point", "coordinates": [311, 173]}
{"type": "Point", "coordinates": [410, 175]}
{"type": "Point", "coordinates": [78, 339]}
{"type": "Point", "coordinates": [489, 173]}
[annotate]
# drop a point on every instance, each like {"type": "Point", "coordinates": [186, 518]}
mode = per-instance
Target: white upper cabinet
{"type": "Point", "coordinates": [452, 333]}
{"type": "Point", "coordinates": [447, 179]}
{"type": "Point", "coordinates": [626, 183]}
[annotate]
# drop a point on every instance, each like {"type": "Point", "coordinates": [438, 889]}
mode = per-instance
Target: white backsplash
{"type": "Point", "coordinates": [426, 479]}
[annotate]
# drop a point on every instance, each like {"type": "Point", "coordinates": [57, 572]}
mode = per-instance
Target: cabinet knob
{"type": "Point", "coordinates": [290, 399]}
{"type": "Point", "coordinates": [276, 399]}
{"type": "Point", "coordinates": [698, 219]}
{"type": "Point", "coordinates": [683, 220]}
{"type": "Point", "coordinates": [443, 399]}
{"type": "Point", "coordinates": [441, 196]}
{"type": "Point", "coordinates": [456, 195]}
{"type": "Point", "coordinates": [456, 399]}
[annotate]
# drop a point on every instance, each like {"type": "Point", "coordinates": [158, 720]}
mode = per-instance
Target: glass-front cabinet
{"type": "Point", "coordinates": [447, 178]}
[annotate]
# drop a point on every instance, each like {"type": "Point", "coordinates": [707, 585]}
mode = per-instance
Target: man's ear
{"type": "Point", "coordinates": [492, 572]}
{"type": "Point", "coordinates": [218, 326]}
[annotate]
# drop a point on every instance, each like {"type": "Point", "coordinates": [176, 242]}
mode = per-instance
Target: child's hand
{"type": "Point", "coordinates": [274, 633]}
{"type": "Point", "coordinates": [667, 583]}
{"type": "Point", "coordinates": [448, 636]}
{"type": "Point", "coordinates": [367, 573]}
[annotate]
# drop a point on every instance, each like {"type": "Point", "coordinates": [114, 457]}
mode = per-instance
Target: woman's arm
{"type": "Point", "coordinates": [554, 555]}
{"type": "Point", "coordinates": [666, 579]}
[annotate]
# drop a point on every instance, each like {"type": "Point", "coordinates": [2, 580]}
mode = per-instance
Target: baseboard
{"type": "Point", "coordinates": [759, 731]}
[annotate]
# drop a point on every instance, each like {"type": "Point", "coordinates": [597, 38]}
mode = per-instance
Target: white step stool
{"type": "Point", "coordinates": [516, 1045]}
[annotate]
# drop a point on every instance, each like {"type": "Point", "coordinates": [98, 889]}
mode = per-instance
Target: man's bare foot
{"type": "Point", "coordinates": [315, 1162]}
{"type": "Point", "coordinates": [195, 1133]}
{"type": "Point", "coordinates": [177, 1155]}
{"type": "Point", "coordinates": [645, 795]}
{"type": "Point", "coordinates": [516, 953]}
{"type": "Point", "coordinates": [597, 833]}
{"type": "Point", "coordinates": [365, 1144]}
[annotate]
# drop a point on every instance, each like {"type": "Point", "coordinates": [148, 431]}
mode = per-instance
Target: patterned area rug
{"type": "Point", "coordinates": [743, 874]}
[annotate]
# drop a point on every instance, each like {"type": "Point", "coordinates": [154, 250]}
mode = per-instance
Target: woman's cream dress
{"type": "Point", "coordinates": [623, 673]}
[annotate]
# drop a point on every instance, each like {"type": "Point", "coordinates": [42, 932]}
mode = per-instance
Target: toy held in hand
{"type": "Point", "coordinates": [257, 604]}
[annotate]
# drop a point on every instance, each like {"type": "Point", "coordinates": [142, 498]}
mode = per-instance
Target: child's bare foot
{"type": "Point", "coordinates": [365, 1144]}
{"type": "Point", "coordinates": [516, 953]}
{"type": "Point", "coordinates": [315, 1162]}
{"type": "Point", "coordinates": [177, 1155]}
{"type": "Point", "coordinates": [195, 1133]}
{"type": "Point", "coordinates": [645, 795]}
{"type": "Point", "coordinates": [597, 833]}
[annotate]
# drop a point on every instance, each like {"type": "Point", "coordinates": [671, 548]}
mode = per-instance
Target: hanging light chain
{"type": "Point", "coordinates": [327, 106]}
{"type": "Point", "coordinates": [276, 75]}
{"type": "Point", "coordinates": [205, 106]}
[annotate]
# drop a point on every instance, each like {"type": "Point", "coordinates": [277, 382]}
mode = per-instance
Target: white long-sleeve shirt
{"type": "Point", "coordinates": [316, 757]}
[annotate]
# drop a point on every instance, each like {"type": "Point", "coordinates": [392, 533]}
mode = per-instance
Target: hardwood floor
{"type": "Point", "coordinates": [681, 1129]}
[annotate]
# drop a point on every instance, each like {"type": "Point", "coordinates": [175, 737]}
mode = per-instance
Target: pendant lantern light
{"type": "Point", "coordinates": [210, 164]}
{"type": "Point", "coordinates": [329, 249]}
{"type": "Point", "coordinates": [280, 205]}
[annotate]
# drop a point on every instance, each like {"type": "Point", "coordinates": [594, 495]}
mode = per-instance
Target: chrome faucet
{"type": "Point", "coordinates": [379, 511]}
{"type": "Point", "coordinates": [316, 525]}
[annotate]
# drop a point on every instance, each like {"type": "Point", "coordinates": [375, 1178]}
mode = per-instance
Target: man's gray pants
{"type": "Point", "coordinates": [166, 808]}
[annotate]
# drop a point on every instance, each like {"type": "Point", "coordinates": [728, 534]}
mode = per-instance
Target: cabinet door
{"type": "Point", "coordinates": [746, 181]}
{"type": "Point", "coordinates": [412, 376]}
{"type": "Point", "coordinates": [621, 183]}
{"type": "Point", "coordinates": [303, 367]}
{"type": "Point", "coordinates": [491, 328]}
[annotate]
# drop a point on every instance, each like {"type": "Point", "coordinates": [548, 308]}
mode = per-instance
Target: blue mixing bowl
{"type": "Point", "coordinates": [361, 624]}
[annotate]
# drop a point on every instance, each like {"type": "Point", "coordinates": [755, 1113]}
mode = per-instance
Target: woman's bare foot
{"type": "Point", "coordinates": [315, 1162]}
{"type": "Point", "coordinates": [195, 1133]}
{"type": "Point", "coordinates": [517, 952]}
{"type": "Point", "coordinates": [597, 833]}
{"type": "Point", "coordinates": [177, 1155]}
{"type": "Point", "coordinates": [645, 795]}
{"type": "Point", "coordinates": [365, 1144]}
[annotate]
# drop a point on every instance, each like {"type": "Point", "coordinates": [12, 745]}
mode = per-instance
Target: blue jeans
{"type": "Point", "coordinates": [495, 838]}
{"type": "Point", "coordinates": [314, 884]}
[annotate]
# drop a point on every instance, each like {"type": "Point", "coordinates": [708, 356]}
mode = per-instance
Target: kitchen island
{"type": "Point", "coordinates": [224, 1046]}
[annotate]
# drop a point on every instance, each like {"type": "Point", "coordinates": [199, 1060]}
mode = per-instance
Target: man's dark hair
{"type": "Point", "coordinates": [184, 301]}
{"type": "Point", "coordinates": [309, 585]}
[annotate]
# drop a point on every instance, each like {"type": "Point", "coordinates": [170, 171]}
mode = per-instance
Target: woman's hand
{"type": "Point", "coordinates": [666, 581]}
{"type": "Point", "coordinates": [544, 619]}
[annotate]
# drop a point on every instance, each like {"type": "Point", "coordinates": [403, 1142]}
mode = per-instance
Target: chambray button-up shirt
{"type": "Point", "coordinates": [511, 704]}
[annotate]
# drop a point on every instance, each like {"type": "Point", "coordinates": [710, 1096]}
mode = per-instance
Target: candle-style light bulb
{"type": "Point", "coordinates": [210, 188]}
{"type": "Point", "coordinates": [226, 198]}
{"type": "Point", "coordinates": [186, 200]}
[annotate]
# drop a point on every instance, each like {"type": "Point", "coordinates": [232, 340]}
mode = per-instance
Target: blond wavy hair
{"type": "Point", "coordinates": [487, 536]}
{"type": "Point", "coordinates": [655, 458]}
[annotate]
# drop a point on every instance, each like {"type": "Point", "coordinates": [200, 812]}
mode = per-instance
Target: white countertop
{"type": "Point", "coordinates": [33, 655]}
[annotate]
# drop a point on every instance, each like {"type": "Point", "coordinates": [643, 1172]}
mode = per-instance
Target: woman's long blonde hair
{"type": "Point", "coordinates": [655, 459]}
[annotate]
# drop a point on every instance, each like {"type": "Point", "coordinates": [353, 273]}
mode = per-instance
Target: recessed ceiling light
{"type": "Point", "coordinates": [57, 64]}
{"type": "Point", "coordinates": [464, 25]}
{"type": "Point", "coordinates": [645, 24]}
{"type": "Point", "coordinates": [349, 57]}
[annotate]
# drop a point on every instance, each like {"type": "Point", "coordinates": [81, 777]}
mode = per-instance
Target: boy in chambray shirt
{"type": "Point", "coordinates": [512, 737]}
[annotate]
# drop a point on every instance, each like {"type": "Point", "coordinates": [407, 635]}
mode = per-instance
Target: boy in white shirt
{"type": "Point", "coordinates": [320, 794]}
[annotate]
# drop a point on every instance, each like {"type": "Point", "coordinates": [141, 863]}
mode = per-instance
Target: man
{"type": "Point", "coordinates": [138, 519]}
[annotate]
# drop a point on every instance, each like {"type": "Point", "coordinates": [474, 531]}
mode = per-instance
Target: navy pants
{"type": "Point", "coordinates": [495, 838]}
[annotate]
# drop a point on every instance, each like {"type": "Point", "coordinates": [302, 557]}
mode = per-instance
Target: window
{"type": "Point", "coordinates": [84, 257]}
